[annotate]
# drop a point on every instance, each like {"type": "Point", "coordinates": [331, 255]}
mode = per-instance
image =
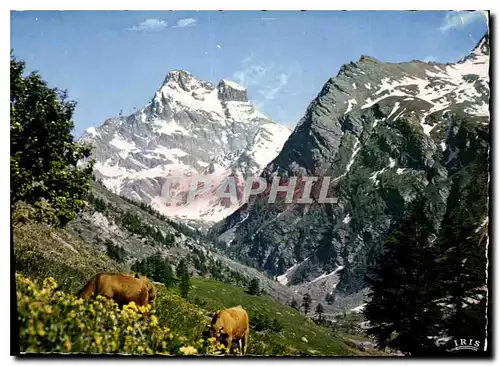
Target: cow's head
{"type": "Point", "coordinates": [217, 330]}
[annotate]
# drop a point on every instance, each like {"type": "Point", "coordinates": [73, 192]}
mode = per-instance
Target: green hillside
{"type": "Point", "coordinates": [298, 333]}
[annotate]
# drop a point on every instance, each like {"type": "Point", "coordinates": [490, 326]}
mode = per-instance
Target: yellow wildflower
{"type": "Point", "coordinates": [47, 309]}
{"type": "Point", "coordinates": [67, 344]}
{"type": "Point", "coordinates": [154, 321]}
{"type": "Point", "coordinates": [189, 350]}
{"type": "Point", "coordinates": [97, 339]}
{"type": "Point", "coordinates": [40, 329]}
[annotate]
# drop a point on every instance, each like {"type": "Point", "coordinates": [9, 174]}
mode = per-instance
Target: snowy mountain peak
{"type": "Point", "coordinates": [483, 46]}
{"type": "Point", "coordinates": [186, 81]}
{"type": "Point", "coordinates": [230, 91]}
{"type": "Point", "coordinates": [186, 127]}
{"type": "Point", "coordinates": [231, 84]}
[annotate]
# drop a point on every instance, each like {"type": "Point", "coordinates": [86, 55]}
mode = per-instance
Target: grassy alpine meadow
{"type": "Point", "coordinates": [275, 328]}
{"type": "Point", "coordinates": [41, 251]}
{"type": "Point", "coordinates": [51, 320]}
{"type": "Point", "coordinates": [52, 264]}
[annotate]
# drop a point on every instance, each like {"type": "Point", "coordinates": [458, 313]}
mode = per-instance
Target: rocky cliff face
{"type": "Point", "coordinates": [384, 132]}
{"type": "Point", "coordinates": [190, 128]}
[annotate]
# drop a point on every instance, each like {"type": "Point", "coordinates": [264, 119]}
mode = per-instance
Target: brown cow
{"type": "Point", "coordinates": [120, 287]}
{"type": "Point", "coordinates": [230, 325]}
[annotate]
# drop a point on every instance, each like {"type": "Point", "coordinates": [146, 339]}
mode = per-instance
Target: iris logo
{"type": "Point", "coordinates": [465, 344]}
{"type": "Point", "coordinates": [454, 345]}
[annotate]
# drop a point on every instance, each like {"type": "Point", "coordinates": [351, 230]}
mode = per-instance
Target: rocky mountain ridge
{"type": "Point", "coordinates": [384, 132]}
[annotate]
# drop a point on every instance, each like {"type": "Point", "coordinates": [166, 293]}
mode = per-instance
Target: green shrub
{"type": "Point", "coordinates": [180, 315]}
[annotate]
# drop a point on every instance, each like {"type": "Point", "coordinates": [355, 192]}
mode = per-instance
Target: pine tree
{"type": "Point", "coordinates": [319, 312]}
{"type": "Point", "coordinates": [462, 261]}
{"type": "Point", "coordinates": [402, 311]}
{"type": "Point", "coordinates": [156, 268]}
{"type": "Point", "coordinates": [99, 204]}
{"type": "Point", "coordinates": [43, 153]}
{"type": "Point", "coordinates": [330, 298]}
{"type": "Point", "coordinates": [306, 303]}
{"type": "Point", "coordinates": [294, 304]}
{"type": "Point", "coordinates": [183, 275]}
{"type": "Point", "coordinates": [254, 287]}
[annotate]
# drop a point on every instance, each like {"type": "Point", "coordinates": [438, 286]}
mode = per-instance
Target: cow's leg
{"type": "Point", "coordinates": [240, 345]}
{"type": "Point", "coordinates": [143, 298]}
{"type": "Point", "coordinates": [245, 343]}
{"type": "Point", "coordinates": [229, 344]}
{"type": "Point", "coordinates": [241, 342]}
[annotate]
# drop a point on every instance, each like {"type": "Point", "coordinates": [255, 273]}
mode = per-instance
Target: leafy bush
{"type": "Point", "coordinates": [53, 321]}
{"type": "Point", "coordinates": [180, 315]}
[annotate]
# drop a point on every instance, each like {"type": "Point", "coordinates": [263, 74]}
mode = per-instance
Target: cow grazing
{"type": "Point", "coordinates": [231, 325]}
{"type": "Point", "coordinates": [120, 287]}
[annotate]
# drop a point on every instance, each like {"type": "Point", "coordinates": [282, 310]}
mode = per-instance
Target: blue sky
{"type": "Point", "coordinates": [111, 61]}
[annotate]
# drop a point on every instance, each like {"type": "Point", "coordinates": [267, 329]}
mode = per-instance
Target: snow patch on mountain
{"type": "Point", "coordinates": [284, 278]}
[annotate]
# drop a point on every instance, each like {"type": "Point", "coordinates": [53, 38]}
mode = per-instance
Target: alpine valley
{"type": "Point", "coordinates": [384, 132]}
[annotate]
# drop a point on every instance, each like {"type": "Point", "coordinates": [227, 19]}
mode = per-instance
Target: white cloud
{"type": "Point", "coordinates": [218, 46]}
{"type": "Point", "coordinates": [150, 25]}
{"type": "Point", "coordinates": [251, 73]}
{"type": "Point", "coordinates": [458, 19]}
{"type": "Point", "coordinates": [265, 78]}
{"type": "Point", "coordinates": [270, 93]}
{"type": "Point", "coordinates": [186, 22]}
